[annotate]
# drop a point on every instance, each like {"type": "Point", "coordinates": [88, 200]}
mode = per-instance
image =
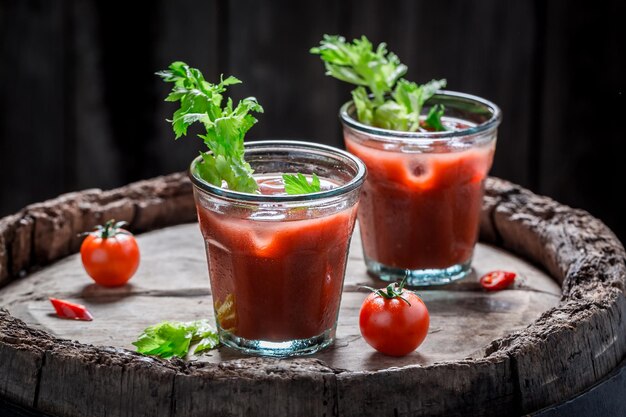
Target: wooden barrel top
{"type": "Point", "coordinates": [172, 284]}
{"type": "Point", "coordinates": [558, 330]}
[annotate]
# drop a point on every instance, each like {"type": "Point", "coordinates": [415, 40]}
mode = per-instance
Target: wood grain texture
{"type": "Point", "coordinates": [44, 232]}
{"type": "Point", "coordinates": [172, 284]}
{"type": "Point", "coordinates": [561, 353]}
{"type": "Point", "coordinates": [20, 360]}
{"type": "Point", "coordinates": [299, 102]}
{"type": "Point", "coordinates": [10, 409]}
{"type": "Point", "coordinates": [81, 108]}
{"type": "Point", "coordinates": [189, 31]}
{"type": "Point", "coordinates": [118, 384]}
{"type": "Point", "coordinates": [573, 145]}
{"type": "Point", "coordinates": [95, 158]}
{"type": "Point", "coordinates": [255, 386]}
{"type": "Point", "coordinates": [33, 65]}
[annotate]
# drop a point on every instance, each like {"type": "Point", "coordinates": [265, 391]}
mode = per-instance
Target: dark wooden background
{"type": "Point", "coordinates": [80, 106]}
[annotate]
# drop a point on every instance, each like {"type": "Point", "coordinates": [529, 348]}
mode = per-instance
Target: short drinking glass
{"type": "Point", "coordinates": [277, 261]}
{"type": "Point", "coordinates": [420, 206]}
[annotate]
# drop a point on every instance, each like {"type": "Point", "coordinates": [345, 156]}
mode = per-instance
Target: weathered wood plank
{"type": "Point", "coordinates": [580, 140]}
{"type": "Point", "coordinates": [7, 225]}
{"type": "Point", "coordinates": [18, 373]}
{"type": "Point", "coordinates": [188, 31]}
{"type": "Point", "coordinates": [44, 232]}
{"type": "Point", "coordinates": [449, 389]}
{"type": "Point", "coordinates": [15, 245]}
{"type": "Point", "coordinates": [32, 115]}
{"type": "Point", "coordinates": [96, 158]}
{"type": "Point", "coordinates": [582, 334]}
{"type": "Point", "coordinates": [103, 382]}
{"type": "Point", "coordinates": [563, 351]}
{"type": "Point", "coordinates": [260, 387]}
{"type": "Point", "coordinates": [574, 358]}
{"type": "Point", "coordinates": [172, 284]}
{"type": "Point", "coordinates": [306, 106]}
{"type": "Point", "coordinates": [462, 323]}
{"type": "Point", "coordinates": [20, 362]}
{"type": "Point", "coordinates": [10, 409]}
{"type": "Point", "coordinates": [130, 101]}
{"type": "Point", "coordinates": [68, 53]}
{"type": "Point", "coordinates": [603, 399]}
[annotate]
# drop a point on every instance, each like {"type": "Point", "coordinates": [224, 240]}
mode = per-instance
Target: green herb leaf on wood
{"type": "Point", "coordinates": [172, 338]}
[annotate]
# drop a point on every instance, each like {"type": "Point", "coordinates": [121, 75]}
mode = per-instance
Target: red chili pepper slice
{"type": "Point", "coordinates": [497, 280]}
{"type": "Point", "coordinates": [68, 310]}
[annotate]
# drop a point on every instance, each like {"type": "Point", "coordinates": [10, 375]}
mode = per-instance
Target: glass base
{"type": "Point", "coordinates": [296, 347]}
{"type": "Point", "coordinates": [419, 277]}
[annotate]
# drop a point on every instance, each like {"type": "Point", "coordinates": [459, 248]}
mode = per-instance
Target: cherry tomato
{"type": "Point", "coordinates": [67, 310]}
{"type": "Point", "coordinates": [110, 254]}
{"type": "Point", "coordinates": [497, 280]}
{"type": "Point", "coordinates": [394, 321]}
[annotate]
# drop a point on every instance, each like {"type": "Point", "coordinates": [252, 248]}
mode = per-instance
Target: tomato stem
{"type": "Point", "coordinates": [106, 231]}
{"type": "Point", "coordinates": [110, 229]}
{"type": "Point", "coordinates": [391, 291]}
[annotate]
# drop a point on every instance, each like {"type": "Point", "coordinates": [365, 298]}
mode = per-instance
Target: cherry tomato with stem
{"type": "Point", "coordinates": [394, 321]}
{"type": "Point", "coordinates": [110, 254]}
{"type": "Point", "coordinates": [497, 280]}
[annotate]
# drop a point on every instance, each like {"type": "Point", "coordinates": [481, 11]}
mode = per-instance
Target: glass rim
{"type": "Point", "coordinates": [351, 185]}
{"type": "Point", "coordinates": [427, 137]}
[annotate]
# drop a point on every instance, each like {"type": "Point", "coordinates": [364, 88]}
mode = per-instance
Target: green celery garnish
{"type": "Point", "coordinates": [433, 120]}
{"type": "Point", "coordinates": [298, 184]}
{"type": "Point", "coordinates": [380, 71]}
{"type": "Point", "coordinates": [172, 338]}
{"type": "Point", "coordinates": [226, 126]}
{"type": "Point", "coordinates": [357, 63]}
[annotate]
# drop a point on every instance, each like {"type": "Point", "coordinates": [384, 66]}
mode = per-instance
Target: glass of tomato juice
{"type": "Point", "coordinates": [420, 206]}
{"type": "Point", "coordinates": [277, 261]}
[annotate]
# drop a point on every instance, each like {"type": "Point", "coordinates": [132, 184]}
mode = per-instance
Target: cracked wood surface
{"type": "Point", "coordinates": [505, 353]}
{"type": "Point", "coordinates": [172, 284]}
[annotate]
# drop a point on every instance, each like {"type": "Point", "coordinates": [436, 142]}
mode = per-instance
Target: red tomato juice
{"type": "Point", "coordinates": [276, 279]}
{"type": "Point", "coordinates": [421, 210]}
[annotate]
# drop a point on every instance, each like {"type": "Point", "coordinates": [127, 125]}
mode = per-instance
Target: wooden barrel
{"type": "Point", "coordinates": [555, 333]}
